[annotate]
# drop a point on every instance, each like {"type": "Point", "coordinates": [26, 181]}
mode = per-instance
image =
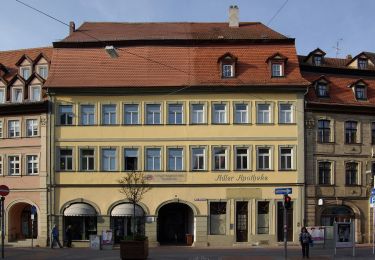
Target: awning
{"type": "Point", "coordinates": [80, 209]}
{"type": "Point", "coordinates": [126, 209]}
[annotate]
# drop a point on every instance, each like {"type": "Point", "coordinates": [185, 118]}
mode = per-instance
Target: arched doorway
{"type": "Point", "coordinates": [175, 221]}
{"type": "Point", "coordinates": [336, 214]}
{"type": "Point", "coordinates": [122, 221]}
{"type": "Point", "coordinates": [20, 224]}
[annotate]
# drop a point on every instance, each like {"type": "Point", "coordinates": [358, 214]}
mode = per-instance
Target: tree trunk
{"type": "Point", "coordinates": [133, 220]}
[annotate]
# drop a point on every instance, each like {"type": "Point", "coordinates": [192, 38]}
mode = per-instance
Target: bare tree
{"type": "Point", "coordinates": [134, 186]}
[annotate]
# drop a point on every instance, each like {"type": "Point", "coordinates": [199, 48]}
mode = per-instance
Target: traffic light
{"type": "Point", "coordinates": [287, 202]}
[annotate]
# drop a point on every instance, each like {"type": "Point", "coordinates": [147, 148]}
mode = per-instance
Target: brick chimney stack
{"type": "Point", "coordinates": [72, 28]}
{"type": "Point", "coordinates": [233, 16]}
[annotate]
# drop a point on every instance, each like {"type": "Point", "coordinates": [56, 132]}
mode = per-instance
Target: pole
{"type": "Point", "coordinates": [373, 230]}
{"type": "Point", "coordinates": [2, 226]}
{"type": "Point", "coordinates": [285, 232]}
{"type": "Point", "coordinates": [32, 230]}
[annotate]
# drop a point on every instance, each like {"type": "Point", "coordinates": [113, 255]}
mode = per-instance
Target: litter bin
{"type": "Point", "coordinates": [189, 239]}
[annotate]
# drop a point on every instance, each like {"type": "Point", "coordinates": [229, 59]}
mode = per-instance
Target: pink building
{"type": "Point", "coordinates": [23, 143]}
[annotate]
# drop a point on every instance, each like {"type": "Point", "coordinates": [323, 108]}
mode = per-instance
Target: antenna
{"type": "Point", "coordinates": [337, 49]}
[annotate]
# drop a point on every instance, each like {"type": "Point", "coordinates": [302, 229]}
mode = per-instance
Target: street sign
{"type": "Point", "coordinates": [4, 190]}
{"type": "Point", "coordinates": [282, 191]}
{"type": "Point", "coordinates": [372, 201]}
{"type": "Point", "coordinates": [33, 210]}
{"type": "Point", "coordinates": [373, 191]}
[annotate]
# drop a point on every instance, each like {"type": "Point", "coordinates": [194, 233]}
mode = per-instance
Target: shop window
{"type": "Point", "coordinates": [32, 127]}
{"type": "Point", "coordinates": [87, 158]}
{"type": "Point", "coordinates": [109, 114]}
{"type": "Point", "coordinates": [350, 132]}
{"type": "Point", "coordinates": [198, 159]}
{"type": "Point", "coordinates": [175, 159]}
{"type": "Point", "coordinates": [131, 114]}
{"type": "Point", "coordinates": [66, 114]}
{"type": "Point", "coordinates": [153, 114]}
{"type": "Point", "coordinates": [218, 212]}
{"type": "Point", "coordinates": [87, 114]}
{"type": "Point", "coordinates": [82, 226]}
{"type": "Point", "coordinates": [175, 114]}
{"type": "Point", "coordinates": [324, 131]}
{"type": "Point", "coordinates": [263, 220]}
{"type": "Point", "coordinates": [324, 174]}
{"type": "Point", "coordinates": [351, 173]}
{"type": "Point", "coordinates": [131, 159]}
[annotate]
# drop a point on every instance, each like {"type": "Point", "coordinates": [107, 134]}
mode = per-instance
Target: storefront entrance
{"type": "Point", "coordinates": [241, 221]}
{"type": "Point", "coordinates": [175, 221]}
{"type": "Point", "coordinates": [336, 214]}
{"type": "Point", "coordinates": [280, 222]}
{"type": "Point", "coordinates": [20, 222]}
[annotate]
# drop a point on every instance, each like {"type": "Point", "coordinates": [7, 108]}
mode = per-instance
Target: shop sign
{"type": "Point", "coordinates": [241, 178]}
{"type": "Point", "coordinates": [166, 178]}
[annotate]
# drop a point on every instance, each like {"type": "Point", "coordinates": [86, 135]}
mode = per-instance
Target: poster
{"type": "Point", "coordinates": [344, 234]}
{"type": "Point", "coordinates": [95, 242]}
{"type": "Point", "coordinates": [107, 237]}
{"type": "Point", "coordinates": [317, 234]}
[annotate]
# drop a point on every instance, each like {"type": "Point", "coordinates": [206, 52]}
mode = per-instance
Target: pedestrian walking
{"type": "Point", "coordinates": [305, 240]}
{"type": "Point", "coordinates": [55, 236]}
{"type": "Point", "coordinates": [68, 236]}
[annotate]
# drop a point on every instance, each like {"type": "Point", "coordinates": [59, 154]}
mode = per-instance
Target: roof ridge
{"type": "Point", "coordinates": [177, 22]}
{"type": "Point", "coordinates": [27, 49]}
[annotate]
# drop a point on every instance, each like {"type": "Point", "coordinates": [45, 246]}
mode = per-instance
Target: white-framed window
{"type": "Point", "coordinates": [43, 71]}
{"type": "Point", "coordinates": [32, 127]}
{"type": "Point", "coordinates": [228, 70]}
{"type": "Point", "coordinates": [264, 114]}
{"type": "Point", "coordinates": [286, 158]}
{"type": "Point", "coordinates": [2, 95]}
{"type": "Point", "coordinates": [219, 114]}
{"type": "Point", "coordinates": [220, 158]}
{"type": "Point", "coordinates": [131, 159]}
{"type": "Point", "coordinates": [131, 114]}
{"type": "Point", "coordinates": [14, 165]}
{"type": "Point", "coordinates": [175, 114]}
{"type": "Point", "coordinates": [32, 164]}
{"type": "Point", "coordinates": [66, 159]}
{"type": "Point", "coordinates": [35, 93]}
{"type": "Point", "coordinates": [153, 159]}
{"type": "Point", "coordinates": [286, 114]}
{"type": "Point", "coordinates": [198, 158]}
{"type": "Point", "coordinates": [14, 128]}
{"type": "Point", "coordinates": [241, 113]}
{"type": "Point", "coordinates": [1, 165]}
{"type": "Point", "coordinates": [1, 129]}
{"type": "Point", "coordinates": [263, 218]}
{"type": "Point", "coordinates": [25, 72]}
{"type": "Point", "coordinates": [242, 158]}
{"type": "Point", "coordinates": [109, 114]}
{"type": "Point", "coordinates": [218, 213]}
{"type": "Point", "coordinates": [264, 158]}
{"type": "Point", "coordinates": [175, 159]}
{"type": "Point", "coordinates": [87, 159]}
{"type": "Point", "coordinates": [66, 114]}
{"type": "Point", "coordinates": [87, 114]}
{"type": "Point", "coordinates": [198, 114]}
{"type": "Point", "coordinates": [153, 114]}
{"type": "Point", "coordinates": [109, 159]}
{"type": "Point", "coordinates": [17, 95]}
{"type": "Point", "coordinates": [277, 70]}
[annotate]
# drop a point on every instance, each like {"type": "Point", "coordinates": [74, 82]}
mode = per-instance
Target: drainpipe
{"type": "Point", "coordinates": [303, 195]}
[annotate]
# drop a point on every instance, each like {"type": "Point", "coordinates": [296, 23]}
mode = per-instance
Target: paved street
{"type": "Point", "coordinates": [169, 253]}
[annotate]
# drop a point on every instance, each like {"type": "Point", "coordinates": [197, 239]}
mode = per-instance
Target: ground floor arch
{"type": "Point", "coordinates": [21, 225]}
{"type": "Point", "coordinates": [174, 222]}
{"type": "Point", "coordinates": [332, 214]}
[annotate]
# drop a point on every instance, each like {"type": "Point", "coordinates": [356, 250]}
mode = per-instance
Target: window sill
{"type": "Point", "coordinates": [288, 123]}
{"type": "Point", "coordinates": [220, 123]}
{"type": "Point", "coordinates": [353, 143]}
{"type": "Point", "coordinates": [325, 142]}
{"type": "Point", "coordinates": [265, 124]}
{"type": "Point", "coordinates": [198, 124]}
{"type": "Point", "coordinates": [131, 124]}
{"type": "Point", "coordinates": [236, 123]}
{"type": "Point", "coordinates": [287, 170]}
{"type": "Point", "coordinates": [217, 170]}
{"type": "Point", "coordinates": [265, 170]}
{"type": "Point", "coordinates": [326, 185]}
{"type": "Point", "coordinates": [243, 170]}
{"type": "Point", "coordinates": [176, 124]}
{"type": "Point", "coordinates": [353, 185]}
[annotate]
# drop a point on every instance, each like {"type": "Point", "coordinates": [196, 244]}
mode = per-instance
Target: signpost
{"type": "Point", "coordinates": [285, 192]}
{"type": "Point", "coordinates": [33, 212]}
{"type": "Point", "coordinates": [4, 190]}
{"type": "Point", "coordinates": [372, 205]}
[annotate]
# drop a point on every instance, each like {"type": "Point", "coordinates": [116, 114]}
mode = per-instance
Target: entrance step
{"type": "Point", "coordinates": [22, 243]}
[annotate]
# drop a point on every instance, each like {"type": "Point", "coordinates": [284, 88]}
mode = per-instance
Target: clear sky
{"type": "Point", "coordinates": [314, 23]}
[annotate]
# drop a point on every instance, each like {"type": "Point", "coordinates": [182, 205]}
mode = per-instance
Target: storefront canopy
{"type": "Point", "coordinates": [126, 209]}
{"type": "Point", "coordinates": [80, 209]}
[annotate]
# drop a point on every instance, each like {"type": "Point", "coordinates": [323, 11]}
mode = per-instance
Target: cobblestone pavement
{"type": "Point", "coordinates": [188, 253]}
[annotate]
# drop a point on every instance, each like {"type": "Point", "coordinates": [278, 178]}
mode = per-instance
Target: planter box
{"type": "Point", "coordinates": [134, 249]}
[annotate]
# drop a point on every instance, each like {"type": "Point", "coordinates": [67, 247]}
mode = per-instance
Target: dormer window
{"type": "Point", "coordinates": [360, 92]}
{"type": "Point", "coordinates": [25, 72]}
{"type": "Point", "coordinates": [35, 93]}
{"type": "Point", "coordinates": [17, 95]}
{"type": "Point", "coordinates": [362, 63]}
{"type": "Point", "coordinates": [317, 60]}
{"type": "Point", "coordinates": [322, 90]}
{"type": "Point", "coordinates": [228, 65]}
{"type": "Point", "coordinates": [43, 71]}
{"type": "Point", "coordinates": [277, 70]}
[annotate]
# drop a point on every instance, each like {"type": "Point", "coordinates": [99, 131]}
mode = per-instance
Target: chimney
{"type": "Point", "coordinates": [233, 16]}
{"type": "Point", "coordinates": [349, 57]}
{"type": "Point", "coordinates": [72, 28]}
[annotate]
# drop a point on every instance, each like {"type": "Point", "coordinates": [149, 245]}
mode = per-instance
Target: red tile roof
{"type": "Point", "coordinates": [109, 31]}
{"type": "Point", "coordinates": [10, 58]}
{"type": "Point", "coordinates": [170, 65]}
